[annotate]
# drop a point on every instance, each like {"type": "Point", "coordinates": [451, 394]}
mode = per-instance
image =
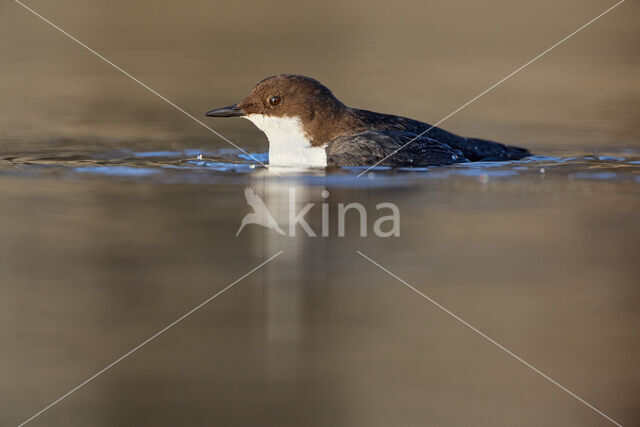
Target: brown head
{"type": "Point", "coordinates": [321, 114]}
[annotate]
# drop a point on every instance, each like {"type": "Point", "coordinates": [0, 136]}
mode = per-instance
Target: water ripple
{"type": "Point", "coordinates": [195, 165]}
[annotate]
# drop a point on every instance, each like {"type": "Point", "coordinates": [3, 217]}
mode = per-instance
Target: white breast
{"type": "Point", "coordinates": [288, 144]}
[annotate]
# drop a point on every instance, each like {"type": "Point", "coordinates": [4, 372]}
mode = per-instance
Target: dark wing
{"type": "Point", "coordinates": [473, 149]}
{"type": "Point", "coordinates": [369, 147]}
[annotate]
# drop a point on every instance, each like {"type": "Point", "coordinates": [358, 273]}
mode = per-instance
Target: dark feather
{"type": "Point", "coordinates": [369, 147]}
{"type": "Point", "coordinates": [472, 149]}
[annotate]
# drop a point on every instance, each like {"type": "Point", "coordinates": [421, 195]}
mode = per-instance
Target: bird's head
{"type": "Point", "coordinates": [279, 99]}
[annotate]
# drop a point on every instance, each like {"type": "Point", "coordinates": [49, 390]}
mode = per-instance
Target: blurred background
{"type": "Point", "coordinates": [418, 59]}
{"type": "Point", "coordinates": [541, 256]}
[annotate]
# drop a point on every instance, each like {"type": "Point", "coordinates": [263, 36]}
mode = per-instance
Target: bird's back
{"type": "Point", "coordinates": [378, 135]}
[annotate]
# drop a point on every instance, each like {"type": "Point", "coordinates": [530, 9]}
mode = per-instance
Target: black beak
{"type": "Point", "coordinates": [230, 111]}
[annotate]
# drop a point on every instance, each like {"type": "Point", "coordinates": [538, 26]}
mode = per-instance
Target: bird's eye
{"type": "Point", "coordinates": [275, 100]}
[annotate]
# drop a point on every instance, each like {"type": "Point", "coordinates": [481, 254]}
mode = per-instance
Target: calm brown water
{"type": "Point", "coordinates": [111, 227]}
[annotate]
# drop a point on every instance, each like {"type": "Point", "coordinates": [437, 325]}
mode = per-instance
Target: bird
{"type": "Point", "coordinates": [260, 214]}
{"type": "Point", "coordinates": [306, 125]}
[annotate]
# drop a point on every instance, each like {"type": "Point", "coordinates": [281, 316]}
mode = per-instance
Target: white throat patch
{"type": "Point", "coordinates": [288, 144]}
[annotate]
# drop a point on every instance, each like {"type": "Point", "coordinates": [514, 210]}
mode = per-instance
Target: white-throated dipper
{"type": "Point", "coordinates": [308, 126]}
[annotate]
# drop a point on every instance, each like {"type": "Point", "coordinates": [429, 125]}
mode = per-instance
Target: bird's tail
{"type": "Point", "coordinates": [479, 149]}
